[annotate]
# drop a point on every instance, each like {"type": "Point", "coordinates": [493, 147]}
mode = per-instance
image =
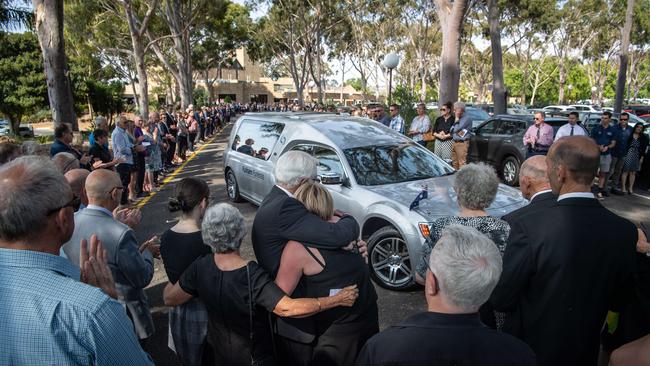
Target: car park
{"type": "Point", "coordinates": [584, 108]}
{"type": "Point", "coordinates": [477, 115]}
{"type": "Point", "coordinates": [499, 142]}
{"type": "Point", "coordinates": [25, 131]}
{"type": "Point", "coordinates": [373, 172]}
{"type": "Point", "coordinates": [557, 108]}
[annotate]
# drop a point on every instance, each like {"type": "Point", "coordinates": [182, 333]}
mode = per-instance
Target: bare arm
{"type": "Point", "coordinates": [295, 308]}
{"type": "Point", "coordinates": [173, 295]}
{"type": "Point", "coordinates": [291, 267]}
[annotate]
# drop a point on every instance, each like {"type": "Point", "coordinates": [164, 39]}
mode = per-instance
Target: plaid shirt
{"type": "Point", "coordinates": [48, 317]}
{"type": "Point", "coordinates": [397, 124]}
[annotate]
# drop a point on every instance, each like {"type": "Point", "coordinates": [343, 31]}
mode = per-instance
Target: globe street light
{"type": "Point", "coordinates": [391, 61]}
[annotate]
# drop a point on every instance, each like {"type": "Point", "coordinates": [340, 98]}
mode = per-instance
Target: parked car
{"type": "Point", "coordinates": [585, 108]}
{"type": "Point", "coordinates": [499, 142]}
{"type": "Point", "coordinates": [637, 109]}
{"type": "Point", "coordinates": [373, 172]}
{"type": "Point", "coordinates": [4, 127]}
{"type": "Point", "coordinates": [645, 117]}
{"type": "Point", "coordinates": [557, 108]}
{"type": "Point", "coordinates": [26, 131]}
{"type": "Point", "coordinates": [477, 115]}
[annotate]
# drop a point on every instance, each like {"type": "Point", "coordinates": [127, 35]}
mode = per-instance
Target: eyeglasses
{"type": "Point", "coordinates": [537, 119]}
{"type": "Point", "coordinates": [74, 202]}
{"type": "Point", "coordinates": [443, 109]}
{"type": "Point", "coordinates": [115, 188]}
{"type": "Point", "coordinates": [624, 120]}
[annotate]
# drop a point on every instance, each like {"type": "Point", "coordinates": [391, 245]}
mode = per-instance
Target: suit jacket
{"type": "Point", "coordinates": [281, 218]}
{"type": "Point", "coordinates": [563, 269]}
{"type": "Point", "coordinates": [540, 202]}
{"type": "Point", "coordinates": [131, 269]}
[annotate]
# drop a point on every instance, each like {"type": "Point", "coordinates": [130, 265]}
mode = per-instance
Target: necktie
{"type": "Point", "coordinates": [572, 130]}
{"type": "Point", "coordinates": [538, 132]}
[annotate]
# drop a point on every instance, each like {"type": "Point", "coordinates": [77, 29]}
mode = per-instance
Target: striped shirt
{"type": "Point", "coordinates": [48, 317]}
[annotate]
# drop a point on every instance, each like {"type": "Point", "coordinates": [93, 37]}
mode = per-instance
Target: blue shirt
{"type": "Point", "coordinates": [603, 136]}
{"type": "Point", "coordinates": [622, 135]}
{"type": "Point", "coordinates": [464, 123]}
{"type": "Point", "coordinates": [122, 145]}
{"type": "Point", "coordinates": [59, 147]}
{"type": "Point", "coordinates": [48, 317]}
{"type": "Point", "coordinates": [397, 124]}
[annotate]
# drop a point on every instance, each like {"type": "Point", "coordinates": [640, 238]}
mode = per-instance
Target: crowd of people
{"type": "Point", "coordinates": [561, 281]}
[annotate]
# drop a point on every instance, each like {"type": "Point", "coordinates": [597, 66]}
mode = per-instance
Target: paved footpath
{"type": "Point", "coordinates": [208, 164]}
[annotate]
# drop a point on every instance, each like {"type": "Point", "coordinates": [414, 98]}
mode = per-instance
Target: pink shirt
{"type": "Point", "coordinates": [545, 138]}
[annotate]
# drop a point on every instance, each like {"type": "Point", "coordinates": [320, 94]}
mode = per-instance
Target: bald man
{"type": "Point", "coordinates": [131, 264]}
{"type": "Point", "coordinates": [77, 180]}
{"type": "Point", "coordinates": [534, 186]}
{"type": "Point", "coordinates": [565, 266]}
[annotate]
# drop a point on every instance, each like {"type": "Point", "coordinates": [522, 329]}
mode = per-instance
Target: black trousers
{"type": "Point", "coordinates": [182, 146]}
{"type": "Point", "coordinates": [170, 152]}
{"type": "Point", "coordinates": [140, 165]}
{"type": "Point", "coordinates": [124, 170]}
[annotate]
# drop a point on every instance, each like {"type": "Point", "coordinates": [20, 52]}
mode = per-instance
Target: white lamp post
{"type": "Point", "coordinates": [391, 61]}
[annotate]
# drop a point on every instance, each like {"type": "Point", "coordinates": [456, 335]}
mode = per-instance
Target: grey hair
{"type": "Point", "coordinates": [467, 266]}
{"type": "Point", "coordinates": [30, 147]}
{"type": "Point", "coordinates": [294, 166]}
{"type": "Point", "coordinates": [541, 113]}
{"type": "Point", "coordinates": [476, 186]}
{"type": "Point", "coordinates": [223, 228]}
{"type": "Point", "coordinates": [535, 168]}
{"type": "Point", "coordinates": [65, 162]}
{"type": "Point", "coordinates": [460, 105]}
{"type": "Point", "coordinates": [30, 187]}
{"type": "Point", "coordinates": [100, 120]}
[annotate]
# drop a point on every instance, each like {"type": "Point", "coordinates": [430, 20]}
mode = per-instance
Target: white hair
{"type": "Point", "coordinates": [100, 120]}
{"type": "Point", "coordinates": [294, 166]}
{"type": "Point", "coordinates": [223, 228]}
{"type": "Point", "coordinates": [31, 187]}
{"type": "Point", "coordinates": [460, 105]}
{"type": "Point", "coordinates": [476, 186]}
{"type": "Point", "coordinates": [467, 265]}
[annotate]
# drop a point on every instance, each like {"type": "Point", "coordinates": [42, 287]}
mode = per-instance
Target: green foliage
{"type": "Point", "coordinates": [201, 97]}
{"type": "Point", "coordinates": [227, 99]}
{"type": "Point", "coordinates": [22, 82]}
{"type": "Point", "coordinates": [41, 115]}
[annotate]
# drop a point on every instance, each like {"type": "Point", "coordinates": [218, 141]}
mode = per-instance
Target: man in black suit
{"type": "Point", "coordinates": [464, 267]}
{"type": "Point", "coordinates": [567, 265]}
{"type": "Point", "coordinates": [534, 186]}
{"type": "Point", "coordinates": [281, 218]}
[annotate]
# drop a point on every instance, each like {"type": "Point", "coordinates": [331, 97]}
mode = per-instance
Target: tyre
{"type": "Point", "coordinates": [510, 170]}
{"type": "Point", "coordinates": [389, 260]}
{"type": "Point", "coordinates": [232, 188]}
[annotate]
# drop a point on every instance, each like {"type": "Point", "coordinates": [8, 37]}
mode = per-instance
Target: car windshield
{"type": "Point", "coordinates": [477, 114]}
{"type": "Point", "coordinates": [388, 164]}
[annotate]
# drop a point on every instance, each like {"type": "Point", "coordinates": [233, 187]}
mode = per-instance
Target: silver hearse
{"type": "Point", "coordinates": [373, 172]}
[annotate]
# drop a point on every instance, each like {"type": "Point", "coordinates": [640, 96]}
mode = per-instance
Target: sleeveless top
{"type": "Point", "coordinates": [348, 268]}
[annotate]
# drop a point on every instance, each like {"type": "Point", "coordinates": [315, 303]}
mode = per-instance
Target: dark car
{"type": "Point", "coordinates": [499, 142]}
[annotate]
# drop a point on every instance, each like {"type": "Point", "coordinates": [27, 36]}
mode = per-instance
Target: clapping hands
{"type": "Point", "coordinates": [128, 216]}
{"type": "Point", "coordinates": [94, 266]}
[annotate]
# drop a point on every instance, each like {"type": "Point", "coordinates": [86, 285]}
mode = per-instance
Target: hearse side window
{"type": "Point", "coordinates": [511, 127]}
{"type": "Point", "coordinates": [256, 138]}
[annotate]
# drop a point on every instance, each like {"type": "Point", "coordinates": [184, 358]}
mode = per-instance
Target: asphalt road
{"type": "Point", "coordinates": [208, 165]}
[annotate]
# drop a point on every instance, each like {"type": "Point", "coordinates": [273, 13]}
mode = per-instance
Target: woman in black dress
{"type": "Point", "coordinates": [180, 246]}
{"type": "Point", "coordinates": [238, 330]}
{"type": "Point", "coordinates": [442, 132]}
{"type": "Point", "coordinates": [341, 332]}
{"type": "Point", "coordinates": [637, 145]}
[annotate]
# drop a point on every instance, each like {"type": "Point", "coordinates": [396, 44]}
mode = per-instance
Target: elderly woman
{"type": "Point", "coordinates": [420, 125]}
{"type": "Point", "coordinates": [476, 187]}
{"type": "Point", "coordinates": [238, 331]}
{"type": "Point", "coordinates": [341, 332]}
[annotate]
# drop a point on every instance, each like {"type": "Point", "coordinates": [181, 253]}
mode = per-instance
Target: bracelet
{"type": "Point", "coordinates": [319, 307]}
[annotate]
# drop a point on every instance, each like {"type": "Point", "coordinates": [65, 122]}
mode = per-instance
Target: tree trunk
{"type": "Point", "coordinates": [138, 56]}
{"type": "Point", "coordinates": [625, 50]}
{"type": "Point", "coordinates": [499, 89]}
{"type": "Point", "coordinates": [49, 28]}
{"type": "Point", "coordinates": [562, 81]}
{"type": "Point", "coordinates": [451, 22]}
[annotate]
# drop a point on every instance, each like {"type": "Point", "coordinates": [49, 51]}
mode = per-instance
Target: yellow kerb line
{"type": "Point", "coordinates": [175, 172]}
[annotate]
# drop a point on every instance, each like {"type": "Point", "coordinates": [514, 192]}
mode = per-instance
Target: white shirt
{"type": "Point", "coordinates": [285, 191]}
{"type": "Point", "coordinates": [540, 192]}
{"type": "Point", "coordinates": [576, 195]}
{"type": "Point", "coordinates": [565, 130]}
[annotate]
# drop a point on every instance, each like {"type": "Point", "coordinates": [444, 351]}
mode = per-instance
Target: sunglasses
{"type": "Point", "coordinates": [115, 188]}
{"type": "Point", "coordinates": [624, 120]}
{"type": "Point", "coordinates": [74, 202]}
